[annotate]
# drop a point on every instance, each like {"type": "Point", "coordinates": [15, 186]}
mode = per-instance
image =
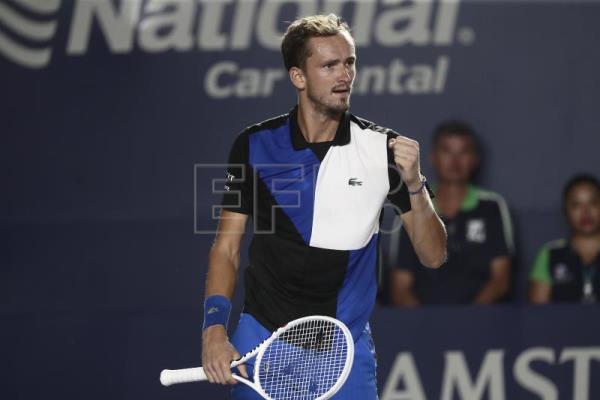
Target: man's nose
{"type": "Point", "coordinates": [346, 74]}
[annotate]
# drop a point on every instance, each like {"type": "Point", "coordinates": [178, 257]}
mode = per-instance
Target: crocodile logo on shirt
{"type": "Point", "coordinates": [354, 182]}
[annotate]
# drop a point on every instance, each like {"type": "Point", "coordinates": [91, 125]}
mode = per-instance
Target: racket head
{"type": "Point", "coordinates": [310, 358]}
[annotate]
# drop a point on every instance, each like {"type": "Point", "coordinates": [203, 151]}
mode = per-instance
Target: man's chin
{"type": "Point", "coordinates": [453, 180]}
{"type": "Point", "coordinates": [340, 107]}
{"type": "Point", "coordinates": [333, 108]}
{"type": "Point", "coordinates": [587, 231]}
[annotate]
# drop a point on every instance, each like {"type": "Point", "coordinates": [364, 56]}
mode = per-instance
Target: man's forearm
{"type": "Point", "coordinates": [406, 299]}
{"type": "Point", "coordinates": [401, 284]}
{"type": "Point", "coordinates": [428, 235]}
{"type": "Point", "coordinates": [540, 292]}
{"type": "Point", "coordinates": [222, 273]}
{"type": "Point", "coordinates": [498, 284]}
{"type": "Point", "coordinates": [223, 263]}
{"type": "Point", "coordinates": [491, 292]}
{"type": "Point", "coordinates": [426, 231]}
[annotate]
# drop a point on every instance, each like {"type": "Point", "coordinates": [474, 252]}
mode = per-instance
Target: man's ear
{"type": "Point", "coordinates": [297, 78]}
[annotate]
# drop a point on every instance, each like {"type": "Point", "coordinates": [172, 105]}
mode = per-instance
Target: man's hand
{"type": "Point", "coordinates": [407, 158]}
{"type": "Point", "coordinates": [217, 355]}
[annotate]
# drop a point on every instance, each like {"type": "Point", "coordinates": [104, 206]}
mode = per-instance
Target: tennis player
{"type": "Point", "coordinates": [314, 181]}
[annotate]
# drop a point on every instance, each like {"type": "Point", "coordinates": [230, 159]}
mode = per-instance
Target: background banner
{"type": "Point", "coordinates": [467, 353]}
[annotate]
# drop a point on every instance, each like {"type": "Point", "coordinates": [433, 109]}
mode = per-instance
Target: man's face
{"type": "Point", "coordinates": [454, 159]}
{"type": "Point", "coordinates": [329, 72]}
{"type": "Point", "coordinates": [583, 209]}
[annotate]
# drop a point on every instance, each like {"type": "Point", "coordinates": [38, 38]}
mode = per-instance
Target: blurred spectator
{"type": "Point", "coordinates": [567, 270]}
{"type": "Point", "coordinates": [480, 242]}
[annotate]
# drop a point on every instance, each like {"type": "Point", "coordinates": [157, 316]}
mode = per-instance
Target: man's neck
{"type": "Point", "coordinates": [317, 126]}
{"type": "Point", "coordinates": [587, 246]}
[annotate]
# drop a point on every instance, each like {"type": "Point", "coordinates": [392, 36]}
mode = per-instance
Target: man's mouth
{"type": "Point", "coordinates": [585, 222]}
{"type": "Point", "coordinates": [341, 90]}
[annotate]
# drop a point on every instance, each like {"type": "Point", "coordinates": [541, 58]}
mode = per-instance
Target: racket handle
{"type": "Point", "coordinates": [172, 376]}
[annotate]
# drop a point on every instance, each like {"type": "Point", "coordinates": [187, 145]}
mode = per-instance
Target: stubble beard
{"type": "Point", "coordinates": [331, 109]}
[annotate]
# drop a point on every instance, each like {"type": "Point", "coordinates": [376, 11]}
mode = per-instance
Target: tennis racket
{"type": "Point", "coordinates": [307, 359]}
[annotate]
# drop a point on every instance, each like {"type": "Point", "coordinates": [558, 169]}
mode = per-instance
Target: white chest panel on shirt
{"type": "Point", "coordinates": [351, 188]}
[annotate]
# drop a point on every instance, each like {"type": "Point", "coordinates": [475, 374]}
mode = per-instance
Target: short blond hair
{"type": "Point", "coordinates": [294, 44]}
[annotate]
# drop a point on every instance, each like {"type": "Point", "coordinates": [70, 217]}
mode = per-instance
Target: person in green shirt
{"type": "Point", "coordinates": [567, 270]}
{"type": "Point", "coordinates": [478, 222]}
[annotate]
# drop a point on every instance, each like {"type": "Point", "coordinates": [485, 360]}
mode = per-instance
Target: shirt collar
{"type": "Point", "coordinates": [342, 135]}
{"type": "Point", "coordinates": [571, 249]}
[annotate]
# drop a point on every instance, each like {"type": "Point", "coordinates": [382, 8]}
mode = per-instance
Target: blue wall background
{"type": "Point", "coordinates": [101, 129]}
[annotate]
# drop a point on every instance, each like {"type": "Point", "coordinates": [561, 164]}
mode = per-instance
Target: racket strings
{"type": "Point", "coordinates": [304, 362]}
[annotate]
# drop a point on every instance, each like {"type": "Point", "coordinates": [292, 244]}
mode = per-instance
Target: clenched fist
{"type": "Point", "coordinates": [407, 158]}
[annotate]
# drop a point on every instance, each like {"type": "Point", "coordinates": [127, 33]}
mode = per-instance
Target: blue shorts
{"type": "Point", "coordinates": [361, 383]}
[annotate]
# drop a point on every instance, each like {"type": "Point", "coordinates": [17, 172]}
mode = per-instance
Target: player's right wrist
{"type": "Point", "coordinates": [216, 311]}
{"type": "Point", "coordinates": [214, 332]}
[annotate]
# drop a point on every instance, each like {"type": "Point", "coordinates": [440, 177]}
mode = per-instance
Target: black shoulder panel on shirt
{"type": "Point", "coordinates": [365, 124]}
{"type": "Point", "coordinates": [240, 195]}
{"type": "Point", "coordinates": [270, 123]}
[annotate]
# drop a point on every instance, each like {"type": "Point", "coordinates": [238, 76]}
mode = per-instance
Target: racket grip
{"type": "Point", "coordinates": [172, 376]}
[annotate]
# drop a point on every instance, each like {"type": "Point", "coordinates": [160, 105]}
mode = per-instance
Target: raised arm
{"type": "Point", "coordinates": [424, 227]}
{"type": "Point", "coordinates": [224, 261]}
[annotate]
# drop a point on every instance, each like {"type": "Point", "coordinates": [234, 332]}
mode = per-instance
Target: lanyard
{"type": "Point", "coordinates": [588, 284]}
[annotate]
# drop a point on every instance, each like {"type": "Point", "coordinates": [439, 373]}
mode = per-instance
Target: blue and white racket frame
{"type": "Point", "coordinates": [170, 377]}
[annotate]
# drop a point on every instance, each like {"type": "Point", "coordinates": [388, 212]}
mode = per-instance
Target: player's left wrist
{"type": "Point", "coordinates": [415, 185]}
